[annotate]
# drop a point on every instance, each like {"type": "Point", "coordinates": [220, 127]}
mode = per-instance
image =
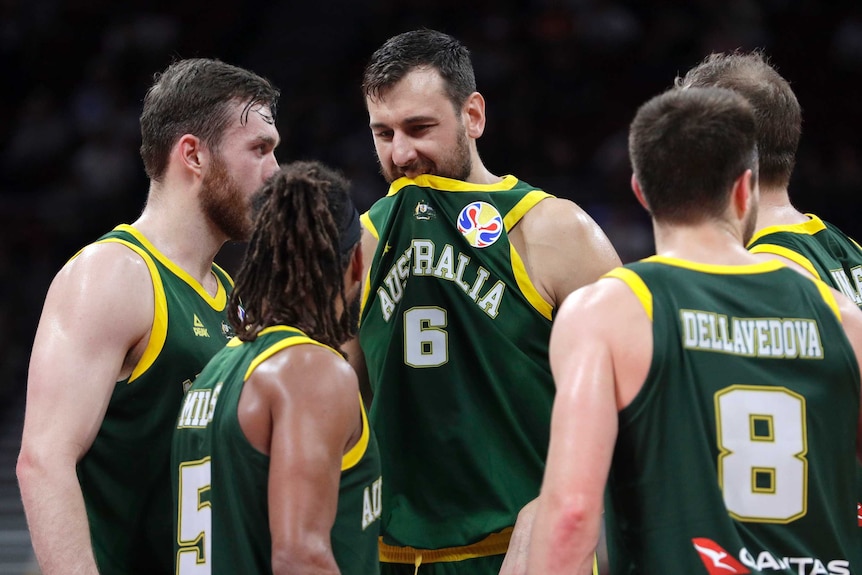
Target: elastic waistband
{"type": "Point", "coordinates": [493, 544]}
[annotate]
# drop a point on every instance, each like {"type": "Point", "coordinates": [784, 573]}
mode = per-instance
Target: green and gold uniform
{"type": "Point", "coordinates": [828, 254]}
{"type": "Point", "coordinates": [125, 475]}
{"type": "Point", "coordinates": [220, 480]}
{"type": "Point", "coordinates": [738, 454]}
{"type": "Point", "coordinates": [455, 337]}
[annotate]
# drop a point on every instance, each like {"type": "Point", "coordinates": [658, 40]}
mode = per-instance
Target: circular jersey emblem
{"type": "Point", "coordinates": [481, 224]}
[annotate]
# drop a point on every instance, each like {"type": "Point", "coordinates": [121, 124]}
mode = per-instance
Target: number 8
{"type": "Point", "coordinates": [762, 445]}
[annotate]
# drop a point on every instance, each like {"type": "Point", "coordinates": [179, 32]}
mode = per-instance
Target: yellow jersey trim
{"type": "Point", "coordinates": [217, 302]}
{"type": "Point", "coordinates": [758, 268]}
{"type": "Point", "coordinates": [493, 544]}
{"type": "Point", "coordinates": [828, 298]}
{"type": "Point", "coordinates": [810, 228]}
{"type": "Point", "coordinates": [159, 330]}
{"type": "Point", "coordinates": [449, 185]}
{"type": "Point", "coordinates": [523, 206]}
{"type": "Point", "coordinates": [354, 455]}
{"type": "Point", "coordinates": [525, 284]}
{"type": "Point", "coordinates": [283, 344]}
{"type": "Point", "coordinates": [365, 219]}
{"type": "Point", "coordinates": [226, 275]}
{"type": "Point", "coordinates": [789, 254]}
{"type": "Point", "coordinates": [636, 284]}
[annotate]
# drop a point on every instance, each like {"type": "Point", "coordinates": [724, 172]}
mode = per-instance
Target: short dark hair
{"type": "Point", "coordinates": [421, 48]}
{"type": "Point", "coordinates": [193, 96]}
{"type": "Point", "coordinates": [776, 109]}
{"type": "Point", "coordinates": [687, 147]}
{"type": "Point", "coordinates": [305, 232]}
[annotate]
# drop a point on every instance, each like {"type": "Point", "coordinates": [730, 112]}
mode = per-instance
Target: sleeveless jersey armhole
{"type": "Point", "coordinates": [159, 329]}
{"type": "Point", "coordinates": [789, 254]}
{"type": "Point", "coordinates": [636, 284]}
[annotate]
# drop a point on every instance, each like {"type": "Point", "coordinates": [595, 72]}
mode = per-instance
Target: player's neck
{"type": "Point", "coordinates": [775, 209]}
{"type": "Point", "coordinates": [717, 243]}
{"type": "Point", "coordinates": [481, 175]}
{"type": "Point", "coordinates": [176, 226]}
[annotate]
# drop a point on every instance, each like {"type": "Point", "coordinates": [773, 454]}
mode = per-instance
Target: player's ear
{"type": "Point", "coordinates": [636, 188]}
{"type": "Point", "coordinates": [473, 115]}
{"type": "Point", "coordinates": [191, 153]}
{"type": "Point", "coordinates": [742, 195]}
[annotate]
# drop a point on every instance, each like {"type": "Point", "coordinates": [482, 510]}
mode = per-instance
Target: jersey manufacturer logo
{"type": "Point", "coordinates": [423, 211]}
{"type": "Point", "coordinates": [716, 560]}
{"type": "Point", "coordinates": [199, 328]}
{"type": "Point", "coordinates": [481, 224]}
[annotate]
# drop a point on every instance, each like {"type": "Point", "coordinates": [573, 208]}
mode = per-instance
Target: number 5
{"type": "Point", "coordinates": [195, 519]}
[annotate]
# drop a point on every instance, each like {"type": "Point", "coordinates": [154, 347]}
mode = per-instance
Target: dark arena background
{"type": "Point", "coordinates": [562, 80]}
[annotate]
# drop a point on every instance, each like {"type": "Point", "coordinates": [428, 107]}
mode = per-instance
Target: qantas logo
{"type": "Point", "coordinates": [716, 560]}
{"type": "Point", "coordinates": [719, 562]}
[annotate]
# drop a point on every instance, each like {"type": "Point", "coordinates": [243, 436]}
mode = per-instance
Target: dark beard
{"type": "Point", "coordinates": [223, 203]}
{"type": "Point", "coordinates": [455, 166]}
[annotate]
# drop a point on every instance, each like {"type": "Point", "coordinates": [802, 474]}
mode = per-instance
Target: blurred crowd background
{"type": "Point", "coordinates": [562, 80]}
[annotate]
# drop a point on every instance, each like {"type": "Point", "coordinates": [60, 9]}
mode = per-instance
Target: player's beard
{"type": "Point", "coordinates": [456, 165]}
{"type": "Point", "coordinates": [223, 202]}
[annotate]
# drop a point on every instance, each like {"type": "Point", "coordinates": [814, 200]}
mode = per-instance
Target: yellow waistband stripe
{"type": "Point", "coordinates": [493, 544]}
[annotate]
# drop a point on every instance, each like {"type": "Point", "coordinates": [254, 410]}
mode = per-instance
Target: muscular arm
{"type": "Point", "coordinates": [851, 319]}
{"type": "Point", "coordinates": [310, 397]}
{"type": "Point", "coordinates": [597, 371]}
{"type": "Point", "coordinates": [563, 248]}
{"type": "Point", "coordinates": [99, 307]}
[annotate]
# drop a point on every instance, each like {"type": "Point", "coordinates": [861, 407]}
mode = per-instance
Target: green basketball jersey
{"type": "Point", "coordinates": [827, 253]}
{"type": "Point", "coordinates": [456, 341]}
{"type": "Point", "coordinates": [738, 454]}
{"type": "Point", "coordinates": [125, 476]}
{"type": "Point", "coordinates": [220, 480]}
{"type": "Point", "coordinates": [821, 248]}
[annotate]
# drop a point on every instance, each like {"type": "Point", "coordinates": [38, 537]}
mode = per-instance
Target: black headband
{"type": "Point", "coordinates": [349, 231]}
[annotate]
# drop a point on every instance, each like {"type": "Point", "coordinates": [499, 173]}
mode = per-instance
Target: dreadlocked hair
{"type": "Point", "coordinates": [293, 271]}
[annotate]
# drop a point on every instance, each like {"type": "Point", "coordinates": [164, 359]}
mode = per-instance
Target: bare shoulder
{"type": "Point", "coordinates": [606, 304]}
{"type": "Point", "coordinates": [312, 372]}
{"type": "Point", "coordinates": [107, 289]}
{"type": "Point", "coordinates": [605, 319]}
{"type": "Point", "coordinates": [565, 248]}
{"type": "Point", "coordinates": [557, 215]}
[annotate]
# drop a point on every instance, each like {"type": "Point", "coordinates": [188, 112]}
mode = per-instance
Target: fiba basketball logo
{"type": "Point", "coordinates": [481, 224]}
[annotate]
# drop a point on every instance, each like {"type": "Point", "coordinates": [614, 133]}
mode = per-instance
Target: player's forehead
{"type": "Point", "coordinates": [249, 122]}
{"type": "Point", "coordinates": [420, 93]}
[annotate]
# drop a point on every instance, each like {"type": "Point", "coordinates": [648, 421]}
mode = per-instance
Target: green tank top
{"type": "Point", "coordinates": [738, 454]}
{"type": "Point", "coordinates": [456, 341]}
{"type": "Point", "coordinates": [125, 476]}
{"type": "Point", "coordinates": [827, 253]}
{"type": "Point", "coordinates": [821, 248]}
{"type": "Point", "coordinates": [220, 480]}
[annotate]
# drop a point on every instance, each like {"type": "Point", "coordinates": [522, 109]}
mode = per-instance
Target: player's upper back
{"type": "Point", "coordinates": [746, 419]}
